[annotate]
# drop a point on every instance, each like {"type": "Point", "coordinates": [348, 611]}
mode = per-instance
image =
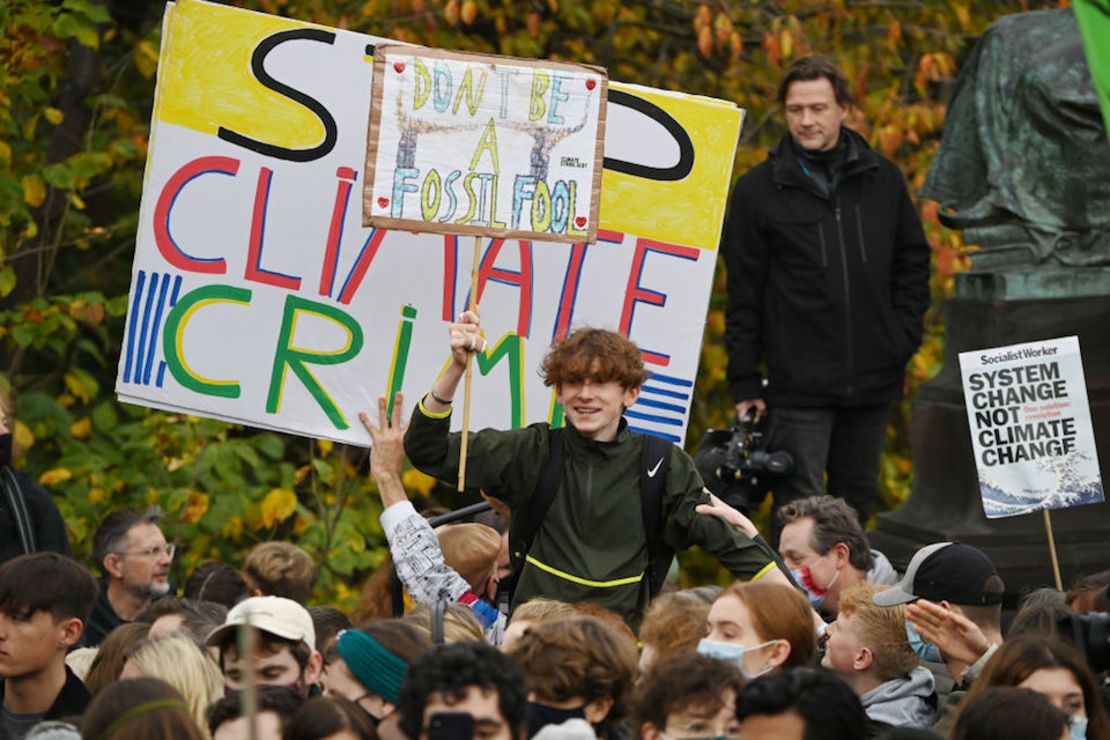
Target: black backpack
{"type": "Point", "coordinates": [657, 455]}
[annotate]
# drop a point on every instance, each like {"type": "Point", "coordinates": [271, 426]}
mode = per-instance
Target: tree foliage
{"type": "Point", "coordinates": [76, 88]}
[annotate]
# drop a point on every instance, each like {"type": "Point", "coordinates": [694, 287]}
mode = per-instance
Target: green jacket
{"type": "Point", "coordinates": [591, 546]}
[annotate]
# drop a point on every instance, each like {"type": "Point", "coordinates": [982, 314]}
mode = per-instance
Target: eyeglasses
{"type": "Point", "coordinates": [169, 549]}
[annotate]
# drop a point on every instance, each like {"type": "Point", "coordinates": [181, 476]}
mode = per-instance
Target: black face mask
{"type": "Point", "coordinates": [541, 715]}
{"type": "Point", "coordinates": [5, 449]}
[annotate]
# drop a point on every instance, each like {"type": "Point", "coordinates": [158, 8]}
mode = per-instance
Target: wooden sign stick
{"type": "Point", "coordinates": [469, 368]}
{"type": "Point", "coordinates": [1052, 551]}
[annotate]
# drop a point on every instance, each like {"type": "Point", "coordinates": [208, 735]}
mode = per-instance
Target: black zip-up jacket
{"type": "Point", "coordinates": [829, 290]}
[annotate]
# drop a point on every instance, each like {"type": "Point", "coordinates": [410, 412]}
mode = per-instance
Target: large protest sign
{"type": "Point", "coordinates": [477, 144]}
{"type": "Point", "coordinates": [1031, 427]}
{"type": "Point", "coordinates": [258, 297]}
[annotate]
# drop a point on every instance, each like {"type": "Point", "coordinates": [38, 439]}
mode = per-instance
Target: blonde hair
{"type": "Point", "coordinates": [178, 661]}
{"type": "Point", "coordinates": [471, 549]}
{"type": "Point", "coordinates": [459, 623]}
{"type": "Point", "coordinates": [280, 569]}
{"type": "Point", "coordinates": [674, 623]}
{"type": "Point", "coordinates": [538, 611]}
{"type": "Point", "coordinates": [880, 628]}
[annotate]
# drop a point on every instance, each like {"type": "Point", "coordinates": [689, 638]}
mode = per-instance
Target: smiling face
{"type": "Point", "coordinates": [813, 114]}
{"type": "Point", "coordinates": [595, 408]}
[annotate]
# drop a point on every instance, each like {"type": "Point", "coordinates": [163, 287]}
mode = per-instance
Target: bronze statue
{"type": "Point", "coordinates": [1024, 165]}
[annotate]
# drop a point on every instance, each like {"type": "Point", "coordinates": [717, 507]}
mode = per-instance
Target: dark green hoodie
{"type": "Point", "coordinates": [591, 546]}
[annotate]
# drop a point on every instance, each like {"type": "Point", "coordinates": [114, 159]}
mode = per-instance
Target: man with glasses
{"type": "Point", "coordinates": [134, 560]}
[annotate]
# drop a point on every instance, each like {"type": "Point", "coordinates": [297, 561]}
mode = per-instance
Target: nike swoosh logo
{"type": "Point", "coordinates": [653, 471]}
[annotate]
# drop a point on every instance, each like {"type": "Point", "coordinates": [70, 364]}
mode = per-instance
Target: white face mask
{"type": "Point", "coordinates": [734, 653]}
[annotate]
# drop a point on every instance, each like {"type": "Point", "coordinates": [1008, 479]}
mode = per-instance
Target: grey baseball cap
{"type": "Point", "coordinates": [947, 571]}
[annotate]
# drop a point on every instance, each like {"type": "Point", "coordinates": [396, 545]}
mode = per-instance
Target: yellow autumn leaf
{"type": "Point", "coordinates": [22, 435]}
{"type": "Point", "coordinates": [54, 115]}
{"type": "Point", "coordinates": [279, 505]}
{"type": "Point", "coordinates": [78, 387]}
{"type": "Point", "coordinates": [416, 482]}
{"type": "Point", "coordinates": [55, 475]}
{"type": "Point", "coordinates": [5, 152]}
{"type": "Point", "coordinates": [196, 508]}
{"type": "Point", "coordinates": [232, 528]}
{"type": "Point", "coordinates": [97, 495]}
{"type": "Point", "coordinates": [325, 446]}
{"type": "Point", "coordinates": [34, 190]}
{"type": "Point", "coordinates": [81, 428]}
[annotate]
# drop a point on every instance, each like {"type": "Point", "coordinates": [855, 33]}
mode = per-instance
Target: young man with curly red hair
{"type": "Point", "coordinates": [592, 544]}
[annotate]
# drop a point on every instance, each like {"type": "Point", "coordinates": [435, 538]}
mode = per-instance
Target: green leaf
{"type": "Point", "coordinates": [323, 469]}
{"type": "Point", "coordinates": [270, 445]}
{"type": "Point", "coordinates": [7, 281]}
{"type": "Point", "coordinates": [104, 416]}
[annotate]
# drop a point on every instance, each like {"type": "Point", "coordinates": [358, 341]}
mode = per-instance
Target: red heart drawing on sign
{"type": "Point", "coordinates": [399, 66]}
{"type": "Point", "coordinates": [383, 202]}
{"type": "Point", "coordinates": [591, 84]}
{"type": "Point", "coordinates": [580, 221]}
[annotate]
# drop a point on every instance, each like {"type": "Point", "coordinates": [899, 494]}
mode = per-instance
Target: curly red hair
{"type": "Point", "coordinates": [598, 354]}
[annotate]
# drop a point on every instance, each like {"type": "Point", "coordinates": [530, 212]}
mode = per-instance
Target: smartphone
{"type": "Point", "coordinates": [451, 726]}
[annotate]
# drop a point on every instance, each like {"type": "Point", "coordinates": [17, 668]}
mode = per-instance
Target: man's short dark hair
{"type": "Point", "coordinates": [280, 700]}
{"type": "Point", "coordinates": [829, 707]}
{"type": "Point", "coordinates": [47, 581]}
{"type": "Point", "coordinates": [451, 670]}
{"type": "Point", "coordinates": [112, 532]}
{"type": "Point", "coordinates": [834, 520]}
{"type": "Point", "coordinates": [199, 618]}
{"type": "Point", "coordinates": [218, 582]}
{"type": "Point", "coordinates": [328, 622]}
{"type": "Point", "coordinates": [814, 68]}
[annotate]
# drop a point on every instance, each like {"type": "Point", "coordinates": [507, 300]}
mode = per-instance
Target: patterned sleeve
{"type": "Point", "coordinates": [419, 561]}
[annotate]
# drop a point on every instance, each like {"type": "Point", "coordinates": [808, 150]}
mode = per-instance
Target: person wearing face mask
{"type": "Point", "coordinates": [29, 520]}
{"type": "Point", "coordinates": [1054, 670]}
{"type": "Point", "coordinates": [455, 563]}
{"type": "Point", "coordinates": [824, 545]}
{"type": "Point", "coordinates": [578, 669]}
{"type": "Point", "coordinates": [686, 696]}
{"type": "Point", "coordinates": [367, 667]}
{"type": "Point", "coordinates": [950, 588]}
{"type": "Point", "coordinates": [760, 627]}
{"type": "Point", "coordinates": [868, 649]}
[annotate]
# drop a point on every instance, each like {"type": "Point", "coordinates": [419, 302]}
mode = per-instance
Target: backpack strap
{"type": "Point", "coordinates": [653, 483]}
{"type": "Point", "coordinates": [18, 506]}
{"type": "Point", "coordinates": [551, 475]}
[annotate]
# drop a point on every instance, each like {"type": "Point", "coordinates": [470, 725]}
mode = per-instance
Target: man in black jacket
{"type": "Point", "coordinates": [828, 282]}
{"type": "Point", "coordinates": [45, 599]}
{"type": "Point", "coordinates": [29, 520]}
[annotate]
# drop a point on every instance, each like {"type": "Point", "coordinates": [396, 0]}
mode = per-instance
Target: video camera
{"type": "Point", "coordinates": [737, 466]}
{"type": "Point", "coordinates": [1090, 635]}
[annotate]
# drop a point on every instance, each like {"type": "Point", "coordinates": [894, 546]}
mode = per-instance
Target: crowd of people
{"type": "Point", "coordinates": [922, 657]}
{"type": "Point", "coordinates": [551, 616]}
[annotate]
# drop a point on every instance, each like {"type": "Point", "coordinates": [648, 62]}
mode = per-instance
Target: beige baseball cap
{"type": "Point", "coordinates": [274, 615]}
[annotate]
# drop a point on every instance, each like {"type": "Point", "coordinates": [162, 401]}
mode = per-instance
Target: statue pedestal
{"type": "Point", "coordinates": [991, 310]}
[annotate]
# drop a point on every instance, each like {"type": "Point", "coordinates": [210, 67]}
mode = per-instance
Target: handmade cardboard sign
{"type": "Point", "coordinates": [1031, 427]}
{"type": "Point", "coordinates": [258, 297]}
{"type": "Point", "coordinates": [485, 145]}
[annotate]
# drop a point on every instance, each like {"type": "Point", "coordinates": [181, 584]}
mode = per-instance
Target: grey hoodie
{"type": "Point", "coordinates": [881, 572]}
{"type": "Point", "coordinates": [909, 701]}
